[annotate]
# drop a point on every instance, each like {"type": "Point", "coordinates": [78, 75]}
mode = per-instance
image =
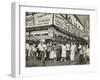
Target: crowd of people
{"type": "Point", "coordinates": [58, 51]}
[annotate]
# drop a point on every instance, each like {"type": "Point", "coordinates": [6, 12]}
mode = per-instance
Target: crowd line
{"type": "Point", "coordinates": [58, 51]}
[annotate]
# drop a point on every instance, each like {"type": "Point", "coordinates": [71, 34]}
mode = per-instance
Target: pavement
{"type": "Point", "coordinates": [33, 63]}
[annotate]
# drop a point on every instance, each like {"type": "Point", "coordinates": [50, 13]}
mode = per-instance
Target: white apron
{"type": "Point", "coordinates": [51, 54]}
{"type": "Point", "coordinates": [72, 56]}
{"type": "Point", "coordinates": [63, 51]}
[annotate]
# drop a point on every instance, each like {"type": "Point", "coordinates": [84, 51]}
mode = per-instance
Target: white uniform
{"type": "Point", "coordinates": [80, 47]}
{"type": "Point", "coordinates": [52, 54]}
{"type": "Point", "coordinates": [72, 56]}
{"type": "Point", "coordinates": [27, 49]}
{"type": "Point", "coordinates": [27, 46]}
{"type": "Point", "coordinates": [63, 51]}
{"type": "Point", "coordinates": [67, 46]}
{"type": "Point", "coordinates": [42, 47]}
{"type": "Point", "coordinates": [30, 50]}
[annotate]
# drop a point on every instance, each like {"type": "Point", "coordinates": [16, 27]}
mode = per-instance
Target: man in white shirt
{"type": "Point", "coordinates": [42, 49]}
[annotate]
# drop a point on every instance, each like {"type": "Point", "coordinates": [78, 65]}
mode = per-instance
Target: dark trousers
{"type": "Point", "coordinates": [26, 54]}
{"type": "Point", "coordinates": [39, 56]}
{"type": "Point", "coordinates": [81, 59]}
{"type": "Point", "coordinates": [68, 55]}
{"type": "Point", "coordinates": [47, 55]}
{"type": "Point", "coordinates": [42, 54]}
{"type": "Point", "coordinates": [58, 56]}
{"type": "Point", "coordinates": [33, 55]}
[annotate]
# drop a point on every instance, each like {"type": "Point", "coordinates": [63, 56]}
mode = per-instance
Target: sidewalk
{"type": "Point", "coordinates": [34, 63]}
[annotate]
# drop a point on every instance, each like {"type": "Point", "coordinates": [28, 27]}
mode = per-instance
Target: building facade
{"type": "Point", "coordinates": [55, 27]}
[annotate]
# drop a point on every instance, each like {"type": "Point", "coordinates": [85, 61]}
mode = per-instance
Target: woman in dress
{"type": "Point", "coordinates": [73, 48]}
{"type": "Point", "coordinates": [63, 52]}
{"type": "Point", "coordinates": [53, 53]}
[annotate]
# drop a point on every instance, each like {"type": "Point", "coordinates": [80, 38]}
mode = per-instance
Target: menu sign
{"type": "Point", "coordinates": [42, 19]}
{"type": "Point", "coordinates": [60, 21]}
{"type": "Point", "coordinates": [39, 19]}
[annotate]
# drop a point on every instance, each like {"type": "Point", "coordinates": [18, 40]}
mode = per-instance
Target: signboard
{"type": "Point", "coordinates": [81, 28]}
{"type": "Point", "coordinates": [60, 21]}
{"type": "Point", "coordinates": [68, 26]}
{"type": "Point", "coordinates": [42, 19]}
{"type": "Point", "coordinates": [30, 23]}
{"type": "Point", "coordinates": [42, 15]}
{"type": "Point", "coordinates": [75, 22]}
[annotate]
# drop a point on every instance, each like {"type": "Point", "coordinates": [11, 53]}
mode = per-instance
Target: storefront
{"type": "Point", "coordinates": [54, 27]}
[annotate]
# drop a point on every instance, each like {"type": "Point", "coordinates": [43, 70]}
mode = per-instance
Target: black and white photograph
{"type": "Point", "coordinates": [56, 39]}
